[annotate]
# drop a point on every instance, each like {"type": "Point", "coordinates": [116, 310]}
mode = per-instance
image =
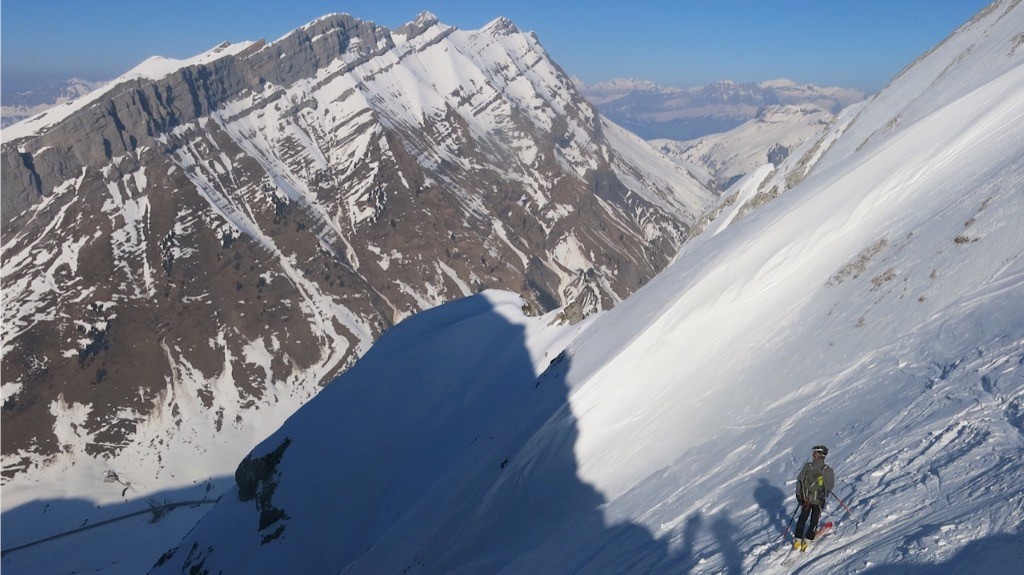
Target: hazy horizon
{"type": "Point", "coordinates": [680, 44]}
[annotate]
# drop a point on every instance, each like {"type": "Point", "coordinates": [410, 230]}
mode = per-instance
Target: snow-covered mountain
{"type": "Point", "coordinates": [192, 250]}
{"type": "Point", "coordinates": [20, 105]}
{"type": "Point", "coordinates": [681, 114]}
{"type": "Point", "coordinates": [874, 307]}
{"type": "Point", "coordinates": [719, 160]}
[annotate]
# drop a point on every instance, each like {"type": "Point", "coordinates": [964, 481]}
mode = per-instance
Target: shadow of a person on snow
{"type": "Point", "coordinates": [772, 501]}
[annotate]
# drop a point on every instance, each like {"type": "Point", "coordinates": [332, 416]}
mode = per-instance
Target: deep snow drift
{"type": "Point", "coordinates": [875, 308]}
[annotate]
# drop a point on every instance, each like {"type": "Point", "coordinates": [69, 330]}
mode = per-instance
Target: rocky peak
{"type": "Point", "coordinates": [313, 47]}
{"type": "Point", "coordinates": [423, 22]}
{"type": "Point", "coordinates": [501, 26]}
{"type": "Point", "coordinates": [425, 19]}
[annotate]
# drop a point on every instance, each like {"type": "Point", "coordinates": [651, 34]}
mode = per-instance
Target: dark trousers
{"type": "Point", "coordinates": [814, 511]}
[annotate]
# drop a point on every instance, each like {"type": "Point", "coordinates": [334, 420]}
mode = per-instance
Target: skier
{"type": "Point", "coordinates": [813, 486]}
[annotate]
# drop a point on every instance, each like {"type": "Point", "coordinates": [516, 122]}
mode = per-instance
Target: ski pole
{"type": "Point", "coordinates": [791, 519]}
{"type": "Point", "coordinates": [841, 502]}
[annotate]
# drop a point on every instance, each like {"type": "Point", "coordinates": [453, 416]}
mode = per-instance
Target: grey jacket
{"type": "Point", "coordinates": [815, 482]}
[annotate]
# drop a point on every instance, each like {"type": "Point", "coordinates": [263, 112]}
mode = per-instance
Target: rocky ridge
{"type": "Point", "coordinates": [192, 256]}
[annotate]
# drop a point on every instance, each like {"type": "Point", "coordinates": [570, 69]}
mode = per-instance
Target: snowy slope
{"type": "Point", "coordinates": [768, 138]}
{"type": "Point", "coordinates": [858, 311]}
{"type": "Point", "coordinates": [875, 308]}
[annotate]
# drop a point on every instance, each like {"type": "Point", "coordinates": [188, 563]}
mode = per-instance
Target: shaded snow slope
{"type": "Point", "coordinates": [420, 427]}
{"type": "Point", "coordinates": [874, 308]}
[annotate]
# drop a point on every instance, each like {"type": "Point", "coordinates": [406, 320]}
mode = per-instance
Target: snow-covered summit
{"type": "Point", "coordinates": [425, 18]}
{"type": "Point", "coordinates": [501, 26]}
{"type": "Point", "coordinates": [779, 83]}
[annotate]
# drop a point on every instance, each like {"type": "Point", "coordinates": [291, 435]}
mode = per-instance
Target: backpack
{"type": "Point", "coordinates": [812, 484]}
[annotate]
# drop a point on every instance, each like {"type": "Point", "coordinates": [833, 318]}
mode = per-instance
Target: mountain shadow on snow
{"type": "Point", "coordinates": [425, 456]}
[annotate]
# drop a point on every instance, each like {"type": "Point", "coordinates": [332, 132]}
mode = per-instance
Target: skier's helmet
{"type": "Point", "coordinates": [820, 449]}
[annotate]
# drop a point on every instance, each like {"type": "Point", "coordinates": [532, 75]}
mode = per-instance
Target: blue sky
{"type": "Point", "coordinates": [850, 43]}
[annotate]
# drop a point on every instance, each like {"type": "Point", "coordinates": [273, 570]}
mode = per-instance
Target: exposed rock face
{"type": "Point", "coordinates": [196, 255]}
{"type": "Point", "coordinates": [256, 478]}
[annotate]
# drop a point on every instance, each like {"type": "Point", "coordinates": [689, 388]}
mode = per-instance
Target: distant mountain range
{"type": "Point", "coordinates": [659, 112]}
{"type": "Point", "coordinates": [20, 105]}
